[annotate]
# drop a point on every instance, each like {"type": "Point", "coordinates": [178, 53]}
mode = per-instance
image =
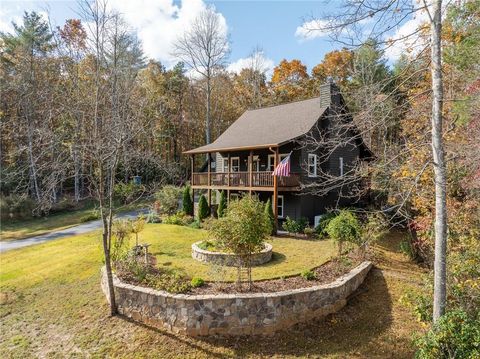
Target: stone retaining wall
{"type": "Point", "coordinates": [234, 314]}
{"type": "Point", "coordinates": [227, 259]}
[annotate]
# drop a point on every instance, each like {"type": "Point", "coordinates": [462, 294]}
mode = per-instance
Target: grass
{"type": "Point", "coordinates": [52, 306]}
{"type": "Point", "coordinates": [21, 229]}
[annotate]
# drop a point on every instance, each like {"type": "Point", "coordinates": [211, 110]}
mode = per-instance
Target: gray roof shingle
{"type": "Point", "coordinates": [268, 126]}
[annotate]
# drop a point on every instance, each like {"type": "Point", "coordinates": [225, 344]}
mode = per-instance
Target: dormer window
{"type": "Point", "coordinates": [312, 165]}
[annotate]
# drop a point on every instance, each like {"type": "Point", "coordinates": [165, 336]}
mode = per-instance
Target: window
{"type": "Point", "coordinates": [271, 160]}
{"type": "Point", "coordinates": [224, 164]}
{"type": "Point", "coordinates": [235, 164]}
{"type": "Point", "coordinates": [340, 165]}
{"type": "Point", "coordinates": [256, 164]}
{"type": "Point", "coordinates": [312, 165]}
{"type": "Point", "coordinates": [280, 203]}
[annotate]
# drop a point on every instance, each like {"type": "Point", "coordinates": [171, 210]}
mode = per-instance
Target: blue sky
{"type": "Point", "coordinates": [272, 25]}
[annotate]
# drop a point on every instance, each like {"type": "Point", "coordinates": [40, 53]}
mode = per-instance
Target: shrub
{"type": "Point", "coordinates": [292, 226]}
{"type": "Point", "coordinates": [344, 228]}
{"type": "Point", "coordinates": [187, 202]}
{"type": "Point", "coordinates": [195, 224]}
{"type": "Point", "coordinates": [121, 234]}
{"type": "Point", "coordinates": [16, 207]}
{"type": "Point", "coordinates": [179, 219]}
{"type": "Point", "coordinates": [92, 216]}
{"type": "Point", "coordinates": [170, 281]}
{"type": "Point", "coordinates": [243, 230]}
{"type": "Point", "coordinates": [136, 226]}
{"type": "Point", "coordinates": [65, 204]}
{"type": "Point", "coordinates": [153, 217]}
{"type": "Point", "coordinates": [270, 215]}
{"type": "Point", "coordinates": [197, 282]}
{"type": "Point", "coordinates": [455, 335]}
{"type": "Point", "coordinates": [325, 219]}
{"type": "Point", "coordinates": [222, 206]}
{"type": "Point", "coordinates": [129, 266]}
{"type": "Point", "coordinates": [308, 275]}
{"type": "Point", "coordinates": [203, 210]}
{"type": "Point", "coordinates": [167, 200]}
{"type": "Point", "coordinates": [127, 192]}
{"type": "Point", "coordinates": [374, 229]}
{"type": "Point", "coordinates": [309, 231]}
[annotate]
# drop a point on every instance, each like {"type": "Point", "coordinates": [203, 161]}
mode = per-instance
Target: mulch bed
{"type": "Point", "coordinates": [324, 274]}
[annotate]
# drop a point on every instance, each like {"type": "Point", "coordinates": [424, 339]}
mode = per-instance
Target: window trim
{"type": "Point", "coordinates": [224, 168]}
{"type": "Point", "coordinates": [231, 163]}
{"type": "Point", "coordinates": [282, 206]}
{"type": "Point", "coordinates": [271, 161]}
{"type": "Point", "coordinates": [315, 163]}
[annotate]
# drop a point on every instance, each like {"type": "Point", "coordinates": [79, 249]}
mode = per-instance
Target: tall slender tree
{"type": "Point", "coordinates": [204, 48]}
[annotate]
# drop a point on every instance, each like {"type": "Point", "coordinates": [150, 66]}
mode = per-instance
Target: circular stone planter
{"type": "Point", "coordinates": [229, 259]}
{"type": "Point", "coordinates": [233, 314]}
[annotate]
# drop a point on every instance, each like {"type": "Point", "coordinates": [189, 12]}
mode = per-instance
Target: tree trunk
{"type": "Point", "coordinates": [207, 120]}
{"type": "Point", "coordinates": [440, 275]}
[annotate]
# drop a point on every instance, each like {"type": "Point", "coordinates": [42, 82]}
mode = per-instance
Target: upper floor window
{"type": "Point", "coordinates": [271, 160]}
{"type": "Point", "coordinates": [312, 165]}
{"type": "Point", "coordinates": [340, 165]}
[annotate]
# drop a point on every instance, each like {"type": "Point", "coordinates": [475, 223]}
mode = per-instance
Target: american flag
{"type": "Point", "coordinates": [283, 168]}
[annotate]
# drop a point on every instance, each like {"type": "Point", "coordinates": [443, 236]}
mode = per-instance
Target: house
{"type": "Point", "coordinates": [243, 157]}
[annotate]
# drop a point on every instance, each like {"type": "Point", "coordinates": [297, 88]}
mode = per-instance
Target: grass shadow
{"type": "Point", "coordinates": [352, 330]}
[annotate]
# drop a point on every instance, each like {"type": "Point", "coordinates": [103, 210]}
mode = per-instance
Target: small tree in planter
{"type": "Point", "coordinates": [222, 206]}
{"type": "Point", "coordinates": [187, 201]}
{"type": "Point", "coordinates": [344, 228]}
{"type": "Point", "coordinates": [243, 231]}
{"type": "Point", "coordinates": [203, 210]}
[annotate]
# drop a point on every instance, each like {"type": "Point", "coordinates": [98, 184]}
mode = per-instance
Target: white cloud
{"type": "Point", "coordinates": [264, 63]}
{"type": "Point", "coordinates": [405, 37]}
{"type": "Point", "coordinates": [11, 12]}
{"type": "Point", "coordinates": [159, 23]}
{"type": "Point", "coordinates": [311, 30]}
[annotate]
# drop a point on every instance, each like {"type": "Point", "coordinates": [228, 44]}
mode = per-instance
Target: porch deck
{"type": "Point", "coordinates": [245, 180]}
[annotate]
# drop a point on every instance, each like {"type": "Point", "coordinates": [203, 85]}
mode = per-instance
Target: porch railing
{"type": "Point", "coordinates": [243, 179]}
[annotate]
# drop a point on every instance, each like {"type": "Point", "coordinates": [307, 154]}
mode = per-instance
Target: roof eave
{"type": "Point", "coordinates": [199, 150]}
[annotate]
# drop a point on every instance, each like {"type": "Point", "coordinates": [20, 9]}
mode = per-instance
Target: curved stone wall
{"type": "Point", "coordinates": [227, 259]}
{"type": "Point", "coordinates": [234, 314]}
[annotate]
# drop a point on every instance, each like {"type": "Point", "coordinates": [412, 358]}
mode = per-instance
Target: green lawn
{"type": "Point", "coordinates": [170, 244]}
{"type": "Point", "coordinates": [20, 229]}
{"type": "Point", "coordinates": [52, 306]}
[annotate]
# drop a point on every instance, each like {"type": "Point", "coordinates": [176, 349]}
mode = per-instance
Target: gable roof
{"type": "Point", "coordinates": [268, 126]}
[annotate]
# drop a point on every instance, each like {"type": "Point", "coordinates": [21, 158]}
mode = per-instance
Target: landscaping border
{"type": "Point", "coordinates": [230, 259]}
{"type": "Point", "coordinates": [234, 314]}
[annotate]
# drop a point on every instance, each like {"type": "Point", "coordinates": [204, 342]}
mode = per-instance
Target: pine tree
{"type": "Point", "coordinates": [203, 210]}
{"type": "Point", "coordinates": [222, 206]}
{"type": "Point", "coordinates": [187, 201]}
{"type": "Point", "coordinates": [269, 213]}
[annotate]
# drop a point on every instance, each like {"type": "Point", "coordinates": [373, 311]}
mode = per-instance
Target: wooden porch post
{"type": "Point", "coordinates": [250, 171]}
{"type": "Point", "coordinates": [275, 191]}
{"type": "Point", "coordinates": [228, 180]}
{"type": "Point", "coordinates": [209, 180]}
{"type": "Point", "coordinates": [192, 183]}
{"type": "Point", "coordinates": [192, 164]}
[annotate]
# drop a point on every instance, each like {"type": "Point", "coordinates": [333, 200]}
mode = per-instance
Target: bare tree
{"type": "Point", "coordinates": [111, 123]}
{"type": "Point", "coordinates": [204, 48]}
{"type": "Point", "coordinates": [361, 20]}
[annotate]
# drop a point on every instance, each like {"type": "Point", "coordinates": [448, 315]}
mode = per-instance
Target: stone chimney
{"type": "Point", "coordinates": [329, 92]}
